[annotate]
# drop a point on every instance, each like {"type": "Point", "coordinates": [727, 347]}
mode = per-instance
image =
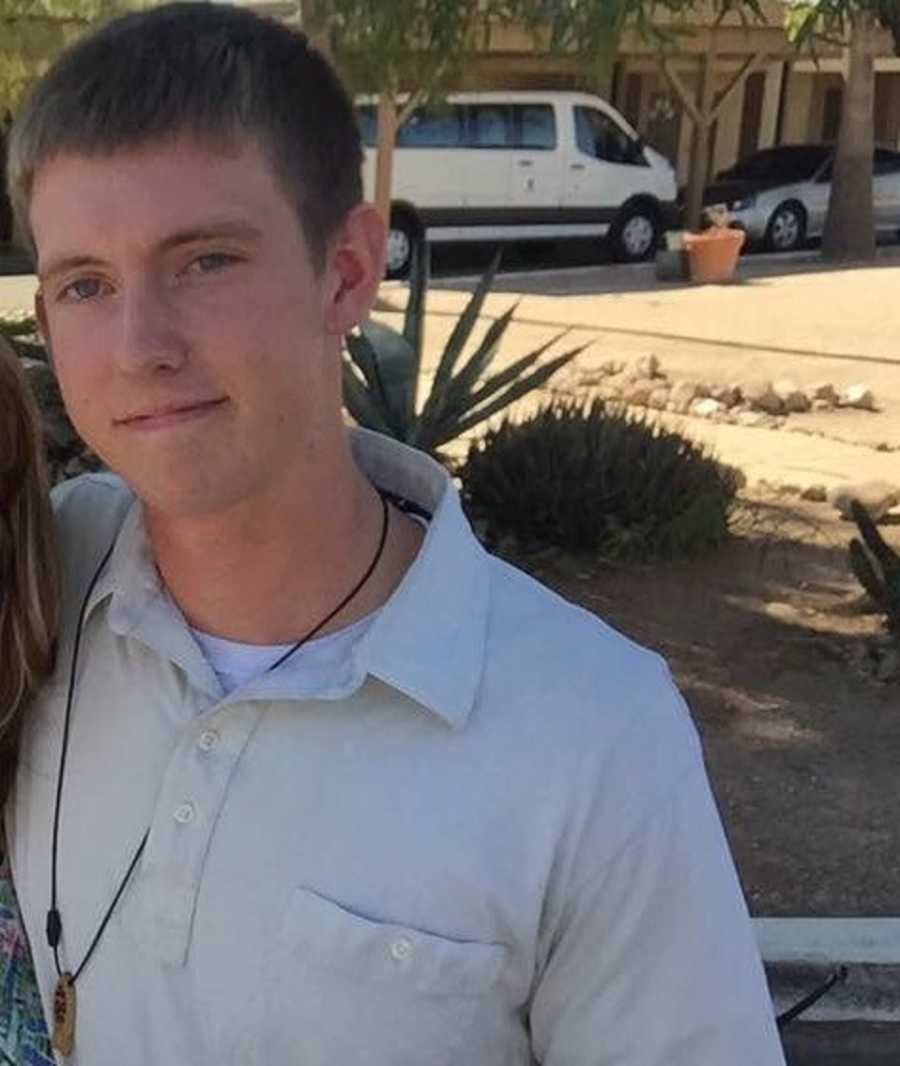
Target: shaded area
{"type": "Point", "coordinates": [767, 641]}
{"type": "Point", "coordinates": [842, 1044]}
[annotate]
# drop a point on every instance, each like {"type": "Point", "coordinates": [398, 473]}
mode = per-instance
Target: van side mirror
{"type": "Point", "coordinates": [636, 151]}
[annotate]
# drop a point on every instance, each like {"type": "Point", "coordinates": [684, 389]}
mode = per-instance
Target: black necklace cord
{"type": "Point", "coordinates": [54, 918]}
{"type": "Point", "coordinates": [352, 594]}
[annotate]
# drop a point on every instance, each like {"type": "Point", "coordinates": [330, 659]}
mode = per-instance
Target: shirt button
{"type": "Point", "coordinates": [402, 949]}
{"type": "Point", "coordinates": [207, 740]}
{"type": "Point", "coordinates": [184, 813]}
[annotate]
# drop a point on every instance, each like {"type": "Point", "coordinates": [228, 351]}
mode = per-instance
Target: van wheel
{"type": "Point", "coordinates": [635, 234]}
{"type": "Point", "coordinates": [403, 235]}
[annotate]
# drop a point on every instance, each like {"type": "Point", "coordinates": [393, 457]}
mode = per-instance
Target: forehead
{"type": "Point", "coordinates": [136, 194]}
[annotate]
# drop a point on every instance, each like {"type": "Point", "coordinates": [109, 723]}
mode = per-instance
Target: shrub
{"type": "Point", "coordinates": [589, 479]}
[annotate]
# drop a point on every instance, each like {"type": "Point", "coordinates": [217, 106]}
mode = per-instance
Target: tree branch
{"type": "Point", "coordinates": [750, 66]}
{"type": "Point", "coordinates": [411, 104]}
{"type": "Point", "coordinates": [681, 91]}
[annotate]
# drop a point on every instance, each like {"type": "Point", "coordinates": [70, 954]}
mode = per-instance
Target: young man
{"type": "Point", "coordinates": [317, 780]}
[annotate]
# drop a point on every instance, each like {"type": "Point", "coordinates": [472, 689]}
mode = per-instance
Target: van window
{"type": "Point", "coordinates": [423, 129]}
{"type": "Point", "coordinates": [432, 129]}
{"type": "Point", "coordinates": [535, 126]}
{"type": "Point", "coordinates": [599, 137]}
{"type": "Point", "coordinates": [490, 126]}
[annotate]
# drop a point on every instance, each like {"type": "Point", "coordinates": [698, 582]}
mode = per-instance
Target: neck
{"type": "Point", "coordinates": [268, 574]}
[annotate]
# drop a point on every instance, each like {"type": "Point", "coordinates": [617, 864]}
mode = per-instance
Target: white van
{"type": "Point", "coordinates": [523, 166]}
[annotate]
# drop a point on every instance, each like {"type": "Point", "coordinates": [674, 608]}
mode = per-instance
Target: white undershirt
{"type": "Point", "coordinates": [236, 663]}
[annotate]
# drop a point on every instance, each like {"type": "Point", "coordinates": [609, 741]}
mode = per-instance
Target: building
{"type": "Point", "coordinates": [784, 97]}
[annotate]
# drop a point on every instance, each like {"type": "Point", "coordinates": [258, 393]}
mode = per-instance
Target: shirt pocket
{"type": "Point", "coordinates": [394, 956]}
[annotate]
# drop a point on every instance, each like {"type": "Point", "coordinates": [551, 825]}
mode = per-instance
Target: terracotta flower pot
{"type": "Point", "coordinates": [713, 254]}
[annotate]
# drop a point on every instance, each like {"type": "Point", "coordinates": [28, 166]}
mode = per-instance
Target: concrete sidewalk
{"type": "Point", "coordinates": [795, 319]}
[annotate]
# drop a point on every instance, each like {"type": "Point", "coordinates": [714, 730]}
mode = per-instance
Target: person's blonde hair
{"type": "Point", "coordinates": [28, 572]}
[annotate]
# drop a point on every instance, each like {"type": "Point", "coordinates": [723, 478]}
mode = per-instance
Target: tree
{"type": "Point", "coordinates": [404, 52]}
{"type": "Point", "coordinates": [33, 32]}
{"type": "Point", "coordinates": [850, 224]}
{"type": "Point", "coordinates": [591, 30]}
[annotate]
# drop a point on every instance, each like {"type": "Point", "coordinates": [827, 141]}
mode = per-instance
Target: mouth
{"type": "Point", "coordinates": [170, 414]}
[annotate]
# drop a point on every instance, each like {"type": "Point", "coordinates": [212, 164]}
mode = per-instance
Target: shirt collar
{"type": "Point", "coordinates": [428, 641]}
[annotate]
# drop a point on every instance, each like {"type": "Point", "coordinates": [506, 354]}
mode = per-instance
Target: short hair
{"type": "Point", "coordinates": [208, 70]}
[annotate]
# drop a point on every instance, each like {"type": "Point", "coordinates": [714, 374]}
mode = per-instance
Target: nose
{"type": "Point", "coordinates": [151, 339]}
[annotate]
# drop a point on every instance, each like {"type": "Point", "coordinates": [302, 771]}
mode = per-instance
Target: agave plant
{"type": "Point", "coordinates": [382, 370]}
{"type": "Point", "coordinates": [876, 566]}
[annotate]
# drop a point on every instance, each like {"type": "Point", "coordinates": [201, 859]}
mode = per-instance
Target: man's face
{"type": "Point", "coordinates": [192, 338]}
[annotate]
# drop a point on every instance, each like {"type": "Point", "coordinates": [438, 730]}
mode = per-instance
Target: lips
{"type": "Point", "coordinates": [170, 414]}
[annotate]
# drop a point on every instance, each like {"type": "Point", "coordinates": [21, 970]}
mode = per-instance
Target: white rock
{"type": "Point", "coordinates": [878, 497]}
{"type": "Point", "coordinates": [859, 396]}
{"type": "Point", "coordinates": [707, 408]}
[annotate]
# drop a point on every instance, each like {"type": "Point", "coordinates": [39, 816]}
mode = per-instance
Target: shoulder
{"type": "Point", "coordinates": [92, 501]}
{"type": "Point", "coordinates": [551, 645]}
{"type": "Point", "coordinates": [577, 686]}
{"type": "Point", "coordinates": [88, 512]}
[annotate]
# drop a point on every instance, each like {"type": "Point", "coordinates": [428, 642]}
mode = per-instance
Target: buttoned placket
{"type": "Point", "coordinates": [193, 791]}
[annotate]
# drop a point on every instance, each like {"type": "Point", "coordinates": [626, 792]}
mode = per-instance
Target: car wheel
{"type": "Point", "coordinates": [787, 228]}
{"type": "Point", "coordinates": [402, 237]}
{"type": "Point", "coordinates": [635, 234]}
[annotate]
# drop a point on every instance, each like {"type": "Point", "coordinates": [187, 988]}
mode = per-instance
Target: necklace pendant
{"type": "Point", "coordinates": [64, 1015]}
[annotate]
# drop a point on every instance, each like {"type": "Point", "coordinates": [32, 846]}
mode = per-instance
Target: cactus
{"type": "Point", "coordinates": [876, 566]}
{"type": "Point", "coordinates": [382, 370]}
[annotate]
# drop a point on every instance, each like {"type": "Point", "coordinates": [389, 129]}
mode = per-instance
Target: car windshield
{"type": "Point", "coordinates": [787, 164]}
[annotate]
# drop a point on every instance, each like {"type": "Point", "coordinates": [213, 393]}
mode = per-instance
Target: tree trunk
{"type": "Point", "coordinates": [384, 157]}
{"type": "Point", "coordinates": [850, 224]}
{"type": "Point", "coordinates": [699, 173]}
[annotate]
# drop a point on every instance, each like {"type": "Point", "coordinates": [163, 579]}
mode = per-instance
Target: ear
{"type": "Point", "coordinates": [354, 269]}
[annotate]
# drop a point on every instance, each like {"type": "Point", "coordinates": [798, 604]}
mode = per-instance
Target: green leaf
{"type": "Point", "coordinates": [512, 372]}
{"type": "Point", "coordinates": [448, 404]}
{"type": "Point", "coordinates": [464, 326]}
{"type": "Point", "coordinates": [396, 362]}
{"type": "Point", "coordinates": [516, 392]}
{"type": "Point", "coordinates": [460, 387]}
{"type": "Point", "coordinates": [359, 403]}
{"type": "Point", "coordinates": [414, 318]}
{"type": "Point", "coordinates": [364, 356]}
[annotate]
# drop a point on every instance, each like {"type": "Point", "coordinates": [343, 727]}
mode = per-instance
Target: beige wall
{"type": "Point", "coordinates": [798, 105]}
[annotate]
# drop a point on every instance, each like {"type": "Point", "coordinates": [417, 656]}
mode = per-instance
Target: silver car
{"type": "Point", "coordinates": [779, 196]}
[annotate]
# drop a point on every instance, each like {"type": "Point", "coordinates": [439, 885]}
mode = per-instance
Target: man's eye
{"type": "Point", "coordinates": [82, 289]}
{"type": "Point", "coordinates": [212, 261]}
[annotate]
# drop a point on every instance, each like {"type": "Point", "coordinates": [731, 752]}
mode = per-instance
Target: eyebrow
{"type": "Point", "coordinates": [205, 232]}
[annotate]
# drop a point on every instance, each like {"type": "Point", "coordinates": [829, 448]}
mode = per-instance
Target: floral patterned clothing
{"type": "Point", "coordinates": [24, 1040]}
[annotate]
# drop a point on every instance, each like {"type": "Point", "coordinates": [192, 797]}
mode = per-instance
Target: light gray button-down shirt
{"type": "Point", "coordinates": [488, 840]}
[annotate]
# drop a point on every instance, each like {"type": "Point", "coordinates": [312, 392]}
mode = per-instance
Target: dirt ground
{"type": "Point", "coordinates": [767, 640]}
